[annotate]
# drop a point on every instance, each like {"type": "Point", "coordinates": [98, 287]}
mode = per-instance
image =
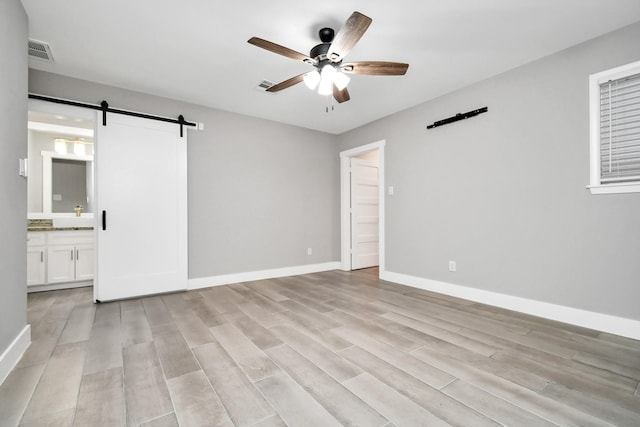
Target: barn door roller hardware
{"type": "Point", "coordinates": [459, 116]}
{"type": "Point", "coordinates": [104, 107]}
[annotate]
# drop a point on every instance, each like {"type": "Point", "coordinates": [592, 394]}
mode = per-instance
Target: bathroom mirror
{"type": "Point", "coordinates": [60, 161]}
{"type": "Point", "coordinates": [67, 182]}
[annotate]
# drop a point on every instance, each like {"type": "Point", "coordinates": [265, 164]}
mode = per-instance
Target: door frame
{"type": "Point", "coordinates": [345, 205]}
{"type": "Point", "coordinates": [48, 107]}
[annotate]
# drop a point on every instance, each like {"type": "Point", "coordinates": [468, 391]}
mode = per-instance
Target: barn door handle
{"type": "Point", "coordinates": [104, 220]}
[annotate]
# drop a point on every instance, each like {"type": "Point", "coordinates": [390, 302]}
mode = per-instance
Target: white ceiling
{"type": "Point", "coordinates": [197, 50]}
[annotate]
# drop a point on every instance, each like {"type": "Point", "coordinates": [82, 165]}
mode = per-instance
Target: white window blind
{"type": "Point", "coordinates": [620, 130]}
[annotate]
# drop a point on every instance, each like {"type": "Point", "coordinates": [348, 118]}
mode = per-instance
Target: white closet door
{"type": "Point", "coordinates": [141, 186]}
{"type": "Point", "coordinates": [364, 214]}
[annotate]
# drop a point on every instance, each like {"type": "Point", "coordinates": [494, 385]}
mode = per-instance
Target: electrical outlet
{"type": "Point", "coordinates": [452, 266]}
{"type": "Point", "coordinates": [309, 251]}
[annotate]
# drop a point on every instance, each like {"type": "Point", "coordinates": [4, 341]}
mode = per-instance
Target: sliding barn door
{"type": "Point", "coordinates": [141, 195]}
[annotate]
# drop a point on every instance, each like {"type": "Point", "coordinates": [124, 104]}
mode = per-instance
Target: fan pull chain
{"type": "Point", "coordinates": [329, 99]}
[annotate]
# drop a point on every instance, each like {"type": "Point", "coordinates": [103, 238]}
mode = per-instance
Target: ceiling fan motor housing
{"type": "Point", "coordinates": [326, 35]}
{"type": "Point", "coordinates": [319, 52]}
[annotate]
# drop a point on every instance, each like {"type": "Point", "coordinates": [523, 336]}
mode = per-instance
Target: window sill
{"type": "Point", "coordinates": [614, 188]}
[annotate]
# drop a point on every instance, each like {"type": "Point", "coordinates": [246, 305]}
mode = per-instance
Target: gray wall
{"type": "Point", "coordinates": [260, 193]}
{"type": "Point", "coordinates": [503, 193]}
{"type": "Point", "coordinates": [13, 188]}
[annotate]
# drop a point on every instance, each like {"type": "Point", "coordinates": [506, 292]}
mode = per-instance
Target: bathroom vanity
{"type": "Point", "coordinates": [59, 257]}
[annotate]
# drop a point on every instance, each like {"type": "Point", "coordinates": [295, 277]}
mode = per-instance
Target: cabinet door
{"type": "Point", "coordinates": [60, 264]}
{"type": "Point", "coordinates": [84, 262]}
{"type": "Point", "coordinates": [35, 266]}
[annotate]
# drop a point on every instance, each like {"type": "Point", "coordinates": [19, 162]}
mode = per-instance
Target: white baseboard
{"type": "Point", "coordinates": [11, 356]}
{"type": "Point", "coordinates": [227, 279]}
{"type": "Point", "coordinates": [601, 322]}
{"type": "Point", "coordinates": [56, 286]}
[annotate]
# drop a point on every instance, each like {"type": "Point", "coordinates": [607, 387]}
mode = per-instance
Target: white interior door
{"type": "Point", "coordinates": [141, 190]}
{"type": "Point", "coordinates": [364, 213]}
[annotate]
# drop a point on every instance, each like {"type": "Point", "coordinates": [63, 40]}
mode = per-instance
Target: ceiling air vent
{"type": "Point", "coordinates": [40, 50]}
{"type": "Point", "coordinates": [264, 85]}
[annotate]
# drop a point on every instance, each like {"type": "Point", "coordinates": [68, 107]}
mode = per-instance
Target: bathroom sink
{"type": "Point", "coordinates": [72, 222]}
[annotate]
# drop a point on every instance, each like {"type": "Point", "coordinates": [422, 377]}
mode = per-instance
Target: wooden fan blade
{"type": "Point", "coordinates": [280, 50]}
{"type": "Point", "coordinates": [375, 68]}
{"type": "Point", "coordinates": [341, 95]}
{"type": "Point", "coordinates": [348, 36]}
{"type": "Point", "coordinates": [287, 83]}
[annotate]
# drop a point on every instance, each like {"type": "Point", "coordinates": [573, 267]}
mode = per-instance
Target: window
{"type": "Point", "coordinates": [615, 130]}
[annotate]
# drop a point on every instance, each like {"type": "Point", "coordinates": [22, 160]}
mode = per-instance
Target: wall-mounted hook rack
{"type": "Point", "coordinates": [459, 116]}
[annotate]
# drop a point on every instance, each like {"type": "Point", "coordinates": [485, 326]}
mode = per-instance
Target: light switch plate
{"type": "Point", "coordinates": [22, 168]}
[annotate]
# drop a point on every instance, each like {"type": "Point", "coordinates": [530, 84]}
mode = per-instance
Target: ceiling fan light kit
{"type": "Point", "coordinates": [330, 74]}
{"type": "Point", "coordinates": [311, 79]}
{"type": "Point", "coordinates": [326, 81]}
{"type": "Point", "coordinates": [341, 80]}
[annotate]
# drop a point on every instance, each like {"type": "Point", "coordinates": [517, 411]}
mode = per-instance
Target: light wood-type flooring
{"type": "Point", "coordinates": [324, 349]}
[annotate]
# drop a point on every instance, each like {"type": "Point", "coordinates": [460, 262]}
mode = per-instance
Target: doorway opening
{"type": "Point", "coordinates": [362, 213]}
{"type": "Point", "coordinates": [61, 197]}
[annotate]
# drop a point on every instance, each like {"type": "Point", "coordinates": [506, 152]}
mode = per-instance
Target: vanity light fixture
{"type": "Point", "coordinates": [60, 145]}
{"type": "Point", "coordinates": [79, 148]}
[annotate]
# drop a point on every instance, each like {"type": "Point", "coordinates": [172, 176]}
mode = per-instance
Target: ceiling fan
{"type": "Point", "coordinates": [330, 73]}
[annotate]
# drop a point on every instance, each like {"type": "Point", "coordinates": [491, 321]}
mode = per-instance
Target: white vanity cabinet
{"type": "Point", "coordinates": [36, 253]}
{"type": "Point", "coordinates": [84, 262]}
{"type": "Point", "coordinates": [60, 264]}
{"type": "Point", "coordinates": [69, 256]}
{"type": "Point", "coordinates": [62, 257]}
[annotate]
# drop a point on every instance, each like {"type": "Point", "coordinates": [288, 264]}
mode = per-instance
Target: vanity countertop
{"type": "Point", "coordinates": [30, 229]}
{"type": "Point", "coordinates": [47, 225]}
